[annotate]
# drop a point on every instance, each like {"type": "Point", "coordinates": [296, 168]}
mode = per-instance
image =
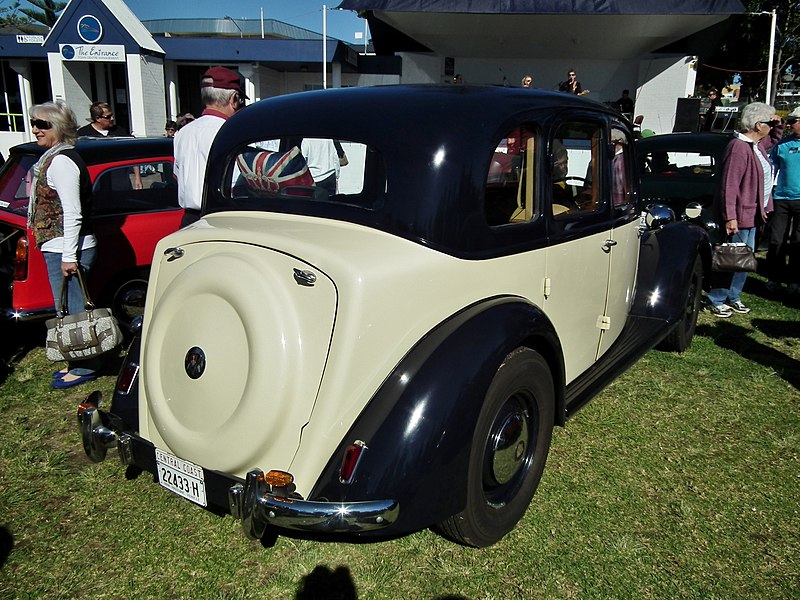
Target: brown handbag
{"type": "Point", "coordinates": [733, 258]}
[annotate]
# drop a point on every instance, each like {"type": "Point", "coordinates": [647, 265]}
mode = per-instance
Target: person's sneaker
{"type": "Point", "coordinates": [723, 311]}
{"type": "Point", "coordinates": [773, 287]}
{"type": "Point", "coordinates": [739, 308]}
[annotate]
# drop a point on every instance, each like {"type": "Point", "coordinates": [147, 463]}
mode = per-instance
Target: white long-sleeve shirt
{"type": "Point", "coordinates": [64, 177]}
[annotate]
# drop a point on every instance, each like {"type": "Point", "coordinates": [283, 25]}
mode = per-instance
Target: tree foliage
{"type": "Point", "coordinates": [746, 49]}
{"type": "Point", "coordinates": [47, 12]}
{"type": "Point", "coordinates": [9, 16]}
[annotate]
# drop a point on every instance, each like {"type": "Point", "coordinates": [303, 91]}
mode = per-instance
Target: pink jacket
{"type": "Point", "coordinates": [741, 187]}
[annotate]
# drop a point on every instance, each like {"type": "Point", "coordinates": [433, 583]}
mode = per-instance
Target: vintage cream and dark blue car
{"type": "Point", "coordinates": [394, 355]}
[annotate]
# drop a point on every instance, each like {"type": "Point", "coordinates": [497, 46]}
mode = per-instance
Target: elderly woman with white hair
{"type": "Point", "coordinates": [745, 194]}
{"type": "Point", "coordinates": [58, 215]}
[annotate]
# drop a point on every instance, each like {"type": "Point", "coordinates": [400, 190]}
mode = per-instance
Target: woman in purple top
{"type": "Point", "coordinates": [745, 193]}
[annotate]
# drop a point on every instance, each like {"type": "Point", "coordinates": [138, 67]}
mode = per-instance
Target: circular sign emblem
{"type": "Point", "coordinates": [90, 29]}
{"type": "Point", "coordinates": [195, 362]}
{"type": "Point", "coordinates": [68, 52]}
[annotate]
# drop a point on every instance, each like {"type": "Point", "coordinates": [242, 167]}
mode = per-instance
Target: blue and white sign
{"type": "Point", "coordinates": [92, 52]}
{"type": "Point", "coordinates": [90, 29]}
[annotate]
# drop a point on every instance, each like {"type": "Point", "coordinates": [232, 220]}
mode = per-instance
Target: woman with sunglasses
{"type": "Point", "coordinates": [745, 196]}
{"type": "Point", "coordinates": [58, 216]}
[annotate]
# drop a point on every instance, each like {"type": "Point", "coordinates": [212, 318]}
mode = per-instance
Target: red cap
{"type": "Point", "coordinates": [224, 79]}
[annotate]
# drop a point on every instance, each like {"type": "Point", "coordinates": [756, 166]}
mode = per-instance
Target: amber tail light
{"type": "Point", "coordinates": [21, 260]}
{"type": "Point", "coordinates": [352, 456]}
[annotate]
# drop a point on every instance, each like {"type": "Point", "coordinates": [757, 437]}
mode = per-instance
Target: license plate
{"type": "Point", "coordinates": [181, 477]}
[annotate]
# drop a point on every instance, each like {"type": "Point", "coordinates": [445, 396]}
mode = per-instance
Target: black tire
{"type": "Point", "coordinates": [509, 450]}
{"type": "Point", "coordinates": [126, 297]}
{"type": "Point", "coordinates": [680, 338]}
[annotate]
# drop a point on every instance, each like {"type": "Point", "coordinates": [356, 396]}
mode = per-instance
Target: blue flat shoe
{"type": "Point", "coordinates": [59, 374]}
{"type": "Point", "coordinates": [60, 384]}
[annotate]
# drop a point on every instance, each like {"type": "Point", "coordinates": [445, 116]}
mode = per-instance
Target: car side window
{"type": "Point", "coordinates": [511, 191]}
{"type": "Point", "coordinates": [575, 157]}
{"type": "Point", "coordinates": [136, 188]}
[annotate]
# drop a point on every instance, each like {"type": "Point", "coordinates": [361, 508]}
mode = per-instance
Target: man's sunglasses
{"type": "Point", "coordinates": [111, 116]}
{"type": "Point", "coordinates": [771, 123]}
{"type": "Point", "coordinates": [791, 121]}
{"type": "Point", "coordinates": [41, 124]}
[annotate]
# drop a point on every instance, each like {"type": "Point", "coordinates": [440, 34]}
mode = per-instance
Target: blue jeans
{"type": "Point", "coordinates": [75, 299]}
{"type": "Point", "coordinates": [730, 294]}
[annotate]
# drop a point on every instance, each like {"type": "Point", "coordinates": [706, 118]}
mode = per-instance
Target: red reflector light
{"type": "Point", "coordinates": [127, 378]}
{"type": "Point", "coordinates": [352, 455]}
{"type": "Point", "coordinates": [21, 260]}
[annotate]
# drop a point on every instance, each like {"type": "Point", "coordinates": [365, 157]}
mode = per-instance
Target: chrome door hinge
{"type": "Point", "coordinates": [604, 322]}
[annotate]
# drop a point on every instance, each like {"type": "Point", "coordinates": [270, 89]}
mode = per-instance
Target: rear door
{"type": "Point", "coordinates": [580, 234]}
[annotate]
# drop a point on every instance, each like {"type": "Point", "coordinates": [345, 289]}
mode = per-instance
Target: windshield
{"type": "Point", "coordinates": [275, 174]}
{"type": "Point", "coordinates": [15, 183]}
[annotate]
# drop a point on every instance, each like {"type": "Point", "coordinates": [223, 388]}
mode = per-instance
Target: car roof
{"type": "Point", "coordinates": [436, 142]}
{"type": "Point", "coordinates": [712, 142]}
{"type": "Point", "coordinates": [108, 150]}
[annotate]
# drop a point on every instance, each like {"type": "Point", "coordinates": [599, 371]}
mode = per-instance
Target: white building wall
{"type": "Point", "coordinates": [371, 79]}
{"type": "Point", "coordinates": [147, 93]}
{"type": "Point", "coordinates": [664, 80]}
{"type": "Point", "coordinates": [76, 85]}
{"type": "Point", "coordinates": [271, 83]}
{"type": "Point", "coordinates": [422, 68]}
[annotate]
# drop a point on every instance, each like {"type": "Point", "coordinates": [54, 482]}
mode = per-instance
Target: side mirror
{"type": "Point", "coordinates": [659, 215]}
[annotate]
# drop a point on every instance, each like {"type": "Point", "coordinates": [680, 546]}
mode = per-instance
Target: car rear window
{"type": "Point", "coordinates": [664, 162]}
{"type": "Point", "coordinates": [15, 183]}
{"type": "Point", "coordinates": [267, 174]}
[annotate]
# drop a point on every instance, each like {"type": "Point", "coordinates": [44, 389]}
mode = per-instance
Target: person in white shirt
{"type": "Point", "coordinates": [323, 162]}
{"type": "Point", "coordinates": [58, 217]}
{"type": "Point", "coordinates": [222, 95]}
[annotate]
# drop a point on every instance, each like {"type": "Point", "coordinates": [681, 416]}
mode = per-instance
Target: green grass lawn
{"type": "Point", "coordinates": [680, 480]}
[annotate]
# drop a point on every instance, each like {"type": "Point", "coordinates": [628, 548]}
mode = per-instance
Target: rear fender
{"type": "Point", "coordinates": [418, 427]}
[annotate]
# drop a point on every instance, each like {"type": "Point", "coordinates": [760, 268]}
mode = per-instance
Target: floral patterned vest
{"type": "Point", "coordinates": [47, 221]}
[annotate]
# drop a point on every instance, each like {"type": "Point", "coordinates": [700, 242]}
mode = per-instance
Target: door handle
{"type": "Point", "coordinates": [608, 244]}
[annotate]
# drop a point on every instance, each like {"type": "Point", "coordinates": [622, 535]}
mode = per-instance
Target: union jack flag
{"type": "Point", "coordinates": [271, 172]}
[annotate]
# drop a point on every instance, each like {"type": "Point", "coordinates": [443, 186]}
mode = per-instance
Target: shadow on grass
{"type": "Point", "coordinates": [16, 340]}
{"type": "Point", "coordinates": [736, 338]}
{"type": "Point", "coordinates": [758, 287]}
{"type": "Point", "coordinates": [324, 584]}
{"type": "Point", "coordinates": [6, 545]}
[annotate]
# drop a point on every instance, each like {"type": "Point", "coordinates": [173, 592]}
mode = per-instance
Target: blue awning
{"type": "Point", "coordinates": [578, 29]}
{"type": "Point", "coordinates": [554, 7]}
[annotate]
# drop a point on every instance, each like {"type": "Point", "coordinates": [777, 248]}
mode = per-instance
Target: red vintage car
{"type": "Point", "coordinates": [127, 222]}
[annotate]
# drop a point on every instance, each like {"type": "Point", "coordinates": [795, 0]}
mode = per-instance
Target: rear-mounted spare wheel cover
{"type": "Point", "coordinates": [234, 354]}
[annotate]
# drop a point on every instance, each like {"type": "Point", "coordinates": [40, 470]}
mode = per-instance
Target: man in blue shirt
{"type": "Point", "coordinates": [784, 223]}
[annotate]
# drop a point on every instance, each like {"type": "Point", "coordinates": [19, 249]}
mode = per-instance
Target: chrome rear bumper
{"type": "Point", "coordinates": [252, 501]}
